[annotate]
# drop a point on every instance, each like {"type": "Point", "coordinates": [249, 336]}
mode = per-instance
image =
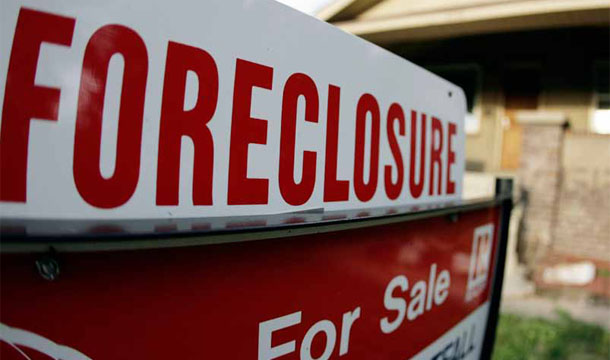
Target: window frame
{"type": "Point", "coordinates": [596, 109]}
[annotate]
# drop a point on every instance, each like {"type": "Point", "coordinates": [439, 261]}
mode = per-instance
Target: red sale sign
{"type": "Point", "coordinates": [410, 289]}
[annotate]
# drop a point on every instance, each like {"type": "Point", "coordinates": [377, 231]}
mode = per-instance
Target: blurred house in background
{"type": "Point", "coordinates": [536, 77]}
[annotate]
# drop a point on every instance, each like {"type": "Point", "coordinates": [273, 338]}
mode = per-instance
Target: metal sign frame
{"type": "Point", "coordinates": [53, 243]}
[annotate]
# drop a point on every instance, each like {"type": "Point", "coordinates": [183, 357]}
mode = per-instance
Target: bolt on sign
{"type": "Point", "coordinates": [147, 117]}
{"type": "Point", "coordinates": [156, 109]}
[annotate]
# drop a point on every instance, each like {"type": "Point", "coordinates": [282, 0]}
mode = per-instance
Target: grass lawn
{"type": "Point", "coordinates": [565, 338]}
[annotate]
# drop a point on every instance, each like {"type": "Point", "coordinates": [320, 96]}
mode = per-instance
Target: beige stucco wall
{"type": "Point", "coordinates": [577, 106]}
{"type": "Point", "coordinates": [486, 146]}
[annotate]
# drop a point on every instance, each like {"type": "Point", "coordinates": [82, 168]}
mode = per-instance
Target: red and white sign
{"type": "Point", "coordinates": [387, 292]}
{"type": "Point", "coordinates": [164, 109]}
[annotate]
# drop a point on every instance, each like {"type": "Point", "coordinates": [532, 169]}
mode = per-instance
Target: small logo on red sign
{"type": "Point", "coordinates": [480, 260]}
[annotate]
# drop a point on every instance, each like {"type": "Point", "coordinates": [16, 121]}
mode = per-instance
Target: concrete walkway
{"type": "Point", "coordinates": [542, 307]}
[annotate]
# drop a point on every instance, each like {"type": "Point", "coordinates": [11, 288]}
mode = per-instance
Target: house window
{"type": "Point", "coordinates": [600, 123]}
{"type": "Point", "coordinates": [468, 78]}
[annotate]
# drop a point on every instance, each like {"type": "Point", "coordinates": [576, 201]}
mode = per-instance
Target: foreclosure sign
{"type": "Point", "coordinates": [165, 109]}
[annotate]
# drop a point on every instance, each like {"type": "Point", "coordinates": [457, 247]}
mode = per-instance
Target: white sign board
{"type": "Point", "coordinates": [164, 109]}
